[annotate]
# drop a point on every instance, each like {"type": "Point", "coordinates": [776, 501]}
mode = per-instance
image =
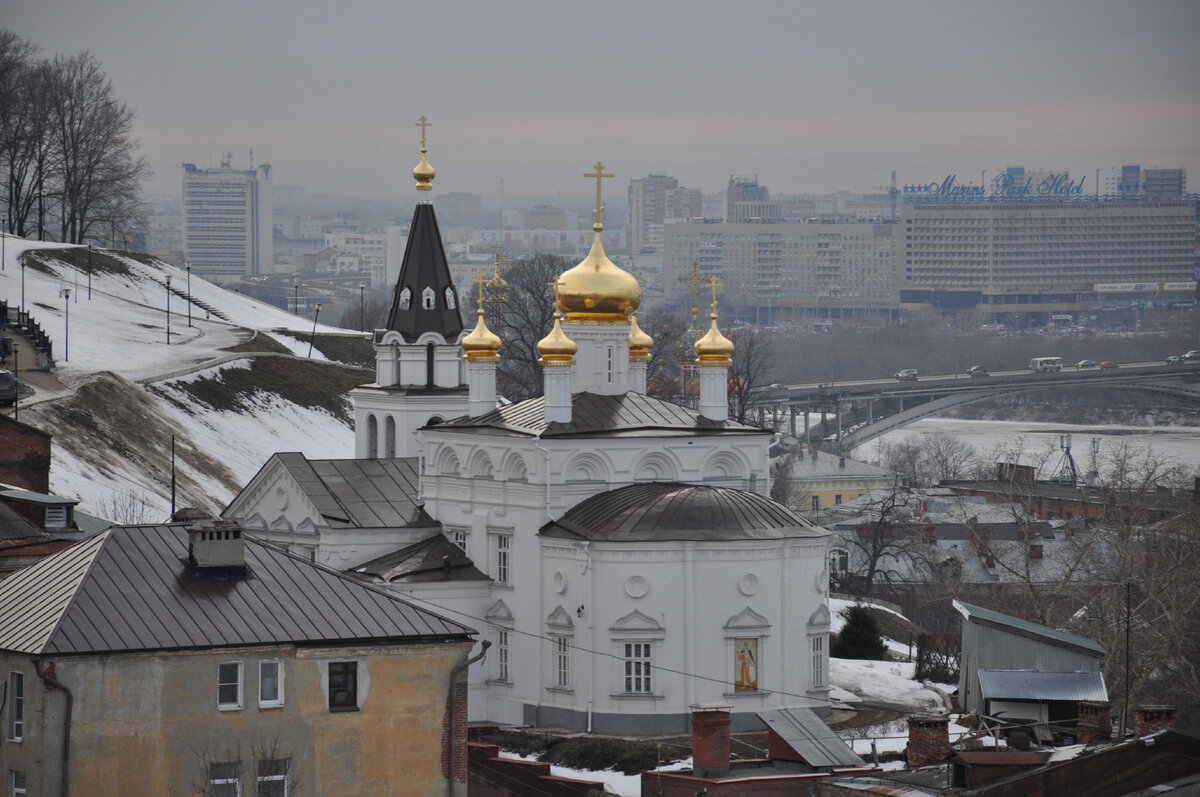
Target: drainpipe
{"type": "Point", "coordinates": [537, 442]}
{"type": "Point", "coordinates": [52, 683]}
{"type": "Point", "coordinates": [454, 673]}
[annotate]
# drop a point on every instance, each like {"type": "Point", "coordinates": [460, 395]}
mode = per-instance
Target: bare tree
{"type": "Point", "coordinates": [751, 370]}
{"type": "Point", "coordinates": [664, 372]}
{"type": "Point", "coordinates": [946, 457]}
{"type": "Point", "coordinates": [126, 508]}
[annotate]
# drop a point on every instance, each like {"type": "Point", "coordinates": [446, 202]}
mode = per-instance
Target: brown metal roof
{"type": "Point", "coordinates": [677, 511]}
{"type": "Point", "coordinates": [360, 493]}
{"type": "Point", "coordinates": [593, 414]}
{"type": "Point", "coordinates": [130, 589]}
{"type": "Point", "coordinates": [434, 558]}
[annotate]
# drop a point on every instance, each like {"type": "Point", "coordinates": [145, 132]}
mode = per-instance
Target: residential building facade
{"type": "Point", "coordinates": [228, 221]}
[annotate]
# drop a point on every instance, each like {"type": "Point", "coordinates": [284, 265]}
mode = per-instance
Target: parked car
{"type": "Point", "coordinates": [1087, 364]}
{"type": "Point", "coordinates": [1191, 356]}
{"type": "Point", "coordinates": [8, 387]}
{"type": "Point", "coordinates": [1109, 364]}
{"type": "Point", "coordinates": [978, 370]}
{"type": "Point", "coordinates": [1174, 359]}
{"type": "Point", "coordinates": [907, 375]}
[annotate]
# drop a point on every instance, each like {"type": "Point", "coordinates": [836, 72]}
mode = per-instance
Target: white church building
{"type": "Point", "coordinates": [619, 552]}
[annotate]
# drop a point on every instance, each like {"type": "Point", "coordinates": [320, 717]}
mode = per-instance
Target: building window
{"type": "Point", "coordinates": [56, 517]}
{"type": "Point", "coordinates": [389, 437]}
{"type": "Point", "coordinates": [503, 558]}
{"type": "Point", "coordinates": [818, 661]}
{"type": "Point", "coordinates": [450, 301]}
{"type": "Point", "coordinates": [562, 662]}
{"type": "Point", "coordinates": [637, 668]}
{"type": "Point", "coordinates": [405, 299]}
{"type": "Point", "coordinates": [837, 499]}
{"type": "Point", "coordinates": [343, 686]}
{"type": "Point", "coordinates": [502, 656]}
{"type": "Point", "coordinates": [273, 777]}
{"type": "Point", "coordinates": [225, 779]}
{"type": "Point", "coordinates": [427, 299]}
{"type": "Point", "coordinates": [270, 684]}
{"type": "Point", "coordinates": [16, 706]}
{"type": "Point", "coordinates": [16, 783]}
{"type": "Point", "coordinates": [839, 562]}
{"type": "Point", "coordinates": [229, 686]}
{"type": "Point", "coordinates": [460, 539]}
{"type": "Point", "coordinates": [816, 503]}
{"type": "Point", "coordinates": [372, 437]}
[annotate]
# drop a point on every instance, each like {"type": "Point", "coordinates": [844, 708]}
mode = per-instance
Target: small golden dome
{"type": "Point", "coordinates": [714, 347]}
{"type": "Point", "coordinates": [597, 289]}
{"type": "Point", "coordinates": [482, 343]}
{"type": "Point", "coordinates": [423, 173]}
{"type": "Point", "coordinates": [639, 342]}
{"type": "Point", "coordinates": [557, 347]}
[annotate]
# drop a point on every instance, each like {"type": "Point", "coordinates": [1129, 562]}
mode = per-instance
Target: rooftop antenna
{"type": "Point", "coordinates": [1067, 472]}
{"type": "Point", "coordinates": [252, 159]}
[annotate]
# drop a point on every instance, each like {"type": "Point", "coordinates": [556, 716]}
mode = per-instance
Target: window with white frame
{"type": "Point", "coordinates": [562, 662]}
{"type": "Point", "coordinates": [16, 783]}
{"type": "Point", "coordinates": [460, 538]}
{"type": "Point", "coordinates": [273, 777]}
{"type": "Point", "coordinates": [270, 684]}
{"type": "Point", "coordinates": [16, 706]}
{"type": "Point", "coordinates": [229, 685]}
{"type": "Point", "coordinates": [503, 558]}
{"type": "Point", "coordinates": [818, 660]}
{"type": "Point", "coordinates": [502, 653]}
{"type": "Point", "coordinates": [637, 661]}
{"type": "Point", "coordinates": [225, 779]}
{"type": "Point", "coordinates": [816, 503]}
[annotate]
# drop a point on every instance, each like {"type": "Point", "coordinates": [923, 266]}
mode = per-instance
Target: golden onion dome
{"type": "Point", "coordinates": [557, 347]}
{"type": "Point", "coordinates": [482, 343]}
{"type": "Point", "coordinates": [714, 347]}
{"type": "Point", "coordinates": [423, 173]}
{"type": "Point", "coordinates": [597, 289]}
{"type": "Point", "coordinates": [639, 342]}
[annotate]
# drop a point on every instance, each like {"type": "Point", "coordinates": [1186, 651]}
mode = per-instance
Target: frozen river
{"type": "Point", "coordinates": [1178, 443]}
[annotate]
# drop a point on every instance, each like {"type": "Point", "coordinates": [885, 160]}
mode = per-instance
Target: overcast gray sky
{"type": "Point", "coordinates": [811, 97]}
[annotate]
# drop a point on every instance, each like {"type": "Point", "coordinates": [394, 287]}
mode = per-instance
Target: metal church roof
{"type": "Point", "coordinates": [1041, 685]}
{"type": "Point", "coordinates": [131, 589]}
{"type": "Point", "coordinates": [811, 739]}
{"type": "Point", "coordinates": [1026, 628]}
{"type": "Point", "coordinates": [424, 267]}
{"type": "Point", "coordinates": [360, 493]}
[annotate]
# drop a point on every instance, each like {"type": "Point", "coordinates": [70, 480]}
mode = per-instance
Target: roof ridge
{"type": "Point", "coordinates": [97, 541]}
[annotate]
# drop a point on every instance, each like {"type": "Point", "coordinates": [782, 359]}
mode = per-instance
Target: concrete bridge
{"type": "Point", "coordinates": [857, 411]}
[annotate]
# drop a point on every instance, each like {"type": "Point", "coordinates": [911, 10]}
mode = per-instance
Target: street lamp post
{"type": "Point", "coordinates": [67, 324]}
{"type": "Point", "coordinates": [188, 264]}
{"type": "Point", "coordinates": [314, 332]}
{"type": "Point", "coordinates": [17, 381]}
{"type": "Point", "coordinates": [295, 297]}
{"type": "Point", "coordinates": [90, 248]}
{"type": "Point", "coordinates": [362, 307]}
{"type": "Point", "coordinates": [168, 311]}
{"type": "Point", "coordinates": [22, 285]}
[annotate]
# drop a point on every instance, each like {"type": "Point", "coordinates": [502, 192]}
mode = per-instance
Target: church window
{"type": "Point", "coordinates": [451, 303]}
{"type": "Point", "coordinates": [372, 437]}
{"type": "Point", "coordinates": [562, 662]}
{"type": "Point", "coordinates": [502, 655]}
{"type": "Point", "coordinates": [610, 364]}
{"type": "Point", "coordinates": [637, 667]}
{"type": "Point", "coordinates": [818, 660]}
{"type": "Point", "coordinates": [405, 299]}
{"type": "Point", "coordinates": [459, 537]}
{"type": "Point", "coordinates": [503, 553]}
{"type": "Point", "coordinates": [428, 300]}
{"type": "Point", "coordinates": [389, 437]}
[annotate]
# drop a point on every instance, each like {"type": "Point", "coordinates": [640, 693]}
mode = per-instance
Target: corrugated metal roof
{"type": "Point", "coordinates": [972, 612]}
{"type": "Point", "coordinates": [130, 589]}
{"type": "Point", "coordinates": [432, 559]}
{"type": "Point", "coordinates": [593, 414]}
{"type": "Point", "coordinates": [360, 493]}
{"type": "Point", "coordinates": [15, 527]}
{"type": "Point", "coordinates": [810, 738]}
{"type": "Point", "coordinates": [1041, 685]}
{"type": "Point", "coordinates": [677, 511]}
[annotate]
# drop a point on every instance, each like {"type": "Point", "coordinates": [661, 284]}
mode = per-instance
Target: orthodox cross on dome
{"type": "Point", "coordinates": [424, 123]}
{"type": "Point", "coordinates": [693, 282]}
{"type": "Point", "coordinates": [554, 285]}
{"type": "Point", "coordinates": [599, 175]}
{"type": "Point", "coordinates": [481, 282]}
{"type": "Point", "coordinates": [712, 283]}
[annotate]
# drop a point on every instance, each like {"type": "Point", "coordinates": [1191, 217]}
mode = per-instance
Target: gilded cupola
{"type": "Point", "coordinates": [481, 343]}
{"type": "Point", "coordinates": [557, 347]}
{"type": "Point", "coordinates": [423, 173]}
{"type": "Point", "coordinates": [714, 347]}
{"type": "Point", "coordinates": [639, 342]}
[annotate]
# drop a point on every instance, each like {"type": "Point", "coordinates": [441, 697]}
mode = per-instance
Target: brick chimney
{"type": "Point", "coordinates": [928, 740]}
{"type": "Point", "coordinates": [710, 739]}
{"type": "Point", "coordinates": [1095, 722]}
{"type": "Point", "coordinates": [1152, 719]}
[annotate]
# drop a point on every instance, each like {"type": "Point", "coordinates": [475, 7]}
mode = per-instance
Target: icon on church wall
{"type": "Point", "coordinates": [745, 665]}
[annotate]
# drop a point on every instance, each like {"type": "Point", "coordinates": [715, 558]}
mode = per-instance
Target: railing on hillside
{"type": "Point", "coordinates": [32, 330]}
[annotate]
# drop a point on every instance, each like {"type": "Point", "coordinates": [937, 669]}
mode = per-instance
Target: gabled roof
{"type": "Point", "coordinates": [592, 414]}
{"type": "Point", "coordinates": [1026, 628]}
{"type": "Point", "coordinates": [424, 266]}
{"type": "Point", "coordinates": [434, 558]}
{"type": "Point", "coordinates": [811, 739]}
{"type": "Point", "coordinates": [360, 493]}
{"type": "Point", "coordinates": [130, 589]}
{"type": "Point", "coordinates": [677, 511]}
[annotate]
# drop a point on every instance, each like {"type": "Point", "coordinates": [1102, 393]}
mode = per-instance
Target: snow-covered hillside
{"type": "Point", "coordinates": [122, 391]}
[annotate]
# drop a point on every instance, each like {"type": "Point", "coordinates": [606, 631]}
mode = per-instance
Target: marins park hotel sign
{"type": "Point", "coordinates": [1004, 186]}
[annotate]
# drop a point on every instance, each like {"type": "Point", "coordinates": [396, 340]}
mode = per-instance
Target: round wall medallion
{"type": "Point", "coordinates": [823, 580]}
{"type": "Point", "coordinates": [281, 498]}
{"type": "Point", "coordinates": [748, 584]}
{"type": "Point", "coordinates": [636, 586]}
{"type": "Point", "coordinates": [560, 582]}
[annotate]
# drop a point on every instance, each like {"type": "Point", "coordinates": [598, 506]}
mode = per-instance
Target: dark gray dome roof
{"type": "Point", "coordinates": [676, 511]}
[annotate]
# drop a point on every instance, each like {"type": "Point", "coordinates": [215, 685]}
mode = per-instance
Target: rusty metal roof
{"type": "Point", "coordinates": [434, 558]}
{"type": "Point", "coordinates": [593, 414]}
{"type": "Point", "coordinates": [677, 511]}
{"type": "Point", "coordinates": [130, 589]}
{"type": "Point", "coordinates": [360, 493]}
{"type": "Point", "coordinates": [810, 738]}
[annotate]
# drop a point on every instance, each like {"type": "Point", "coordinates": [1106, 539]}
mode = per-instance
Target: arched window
{"type": "Point", "coordinates": [427, 299]}
{"type": "Point", "coordinates": [372, 437]}
{"type": "Point", "coordinates": [389, 437]}
{"type": "Point", "coordinates": [450, 301]}
{"type": "Point", "coordinates": [405, 299]}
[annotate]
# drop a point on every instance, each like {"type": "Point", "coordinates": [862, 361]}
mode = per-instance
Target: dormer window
{"type": "Point", "coordinates": [56, 517]}
{"type": "Point", "coordinates": [450, 302]}
{"type": "Point", "coordinates": [428, 299]}
{"type": "Point", "coordinates": [405, 299]}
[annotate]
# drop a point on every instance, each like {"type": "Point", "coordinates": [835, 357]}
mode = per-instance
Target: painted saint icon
{"type": "Point", "coordinates": [745, 665]}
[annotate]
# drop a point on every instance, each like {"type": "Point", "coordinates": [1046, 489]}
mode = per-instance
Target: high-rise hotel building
{"type": "Point", "coordinates": [228, 221]}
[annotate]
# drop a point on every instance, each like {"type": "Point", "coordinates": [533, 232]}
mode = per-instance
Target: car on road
{"type": "Point", "coordinates": [907, 375]}
{"type": "Point", "coordinates": [1191, 356]}
{"type": "Point", "coordinates": [1174, 359]}
{"type": "Point", "coordinates": [1087, 364]}
{"type": "Point", "coordinates": [8, 387]}
{"type": "Point", "coordinates": [978, 370]}
{"type": "Point", "coordinates": [1109, 364]}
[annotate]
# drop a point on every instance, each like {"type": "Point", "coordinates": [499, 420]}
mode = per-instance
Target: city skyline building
{"type": "Point", "coordinates": [652, 201]}
{"type": "Point", "coordinates": [228, 221]}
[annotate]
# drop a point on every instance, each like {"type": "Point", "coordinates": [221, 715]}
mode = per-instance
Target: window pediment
{"type": "Point", "coordinates": [638, 624]}
{"type": "Point", "coordinates": [499, 612]}
{"type": "Point", "coordinates": [820, 616]}
{"type": "Point", "coordinates": [747, 620]}
{"type": "Point", "coordinates": [560, 619]}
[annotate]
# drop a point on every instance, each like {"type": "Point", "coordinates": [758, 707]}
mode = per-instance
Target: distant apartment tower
{"type": "Point", "coordinates": [653, 200]}
{"type": "Point", "coordinates": [227, 221]}
{"type": "Point", "coordinates": [748, 202]}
